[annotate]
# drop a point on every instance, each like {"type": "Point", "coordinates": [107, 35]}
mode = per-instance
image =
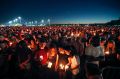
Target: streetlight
{"type": "Point", "coordinates": [20, 19]}
{"type": "Point", "coordinates": [49, 21]}
{"type": "Point", "coordinates": [10, 22]}
{"type": "Point", "coordinates": [35, 22]}
{"type": "Point", "coordinates": [16, 20]}
{"type": "Point", "coordinates": [42, 21]}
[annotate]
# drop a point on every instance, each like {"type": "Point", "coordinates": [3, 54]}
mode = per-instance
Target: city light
{"type": "Point", "coordinates": [19, 17]}
{"type": "Point", "coordinates": [19, 22]}
{"type": "Point", "coordinates": [10, 22]}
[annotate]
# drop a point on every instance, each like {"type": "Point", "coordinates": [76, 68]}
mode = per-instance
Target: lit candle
{"type": "Point", "coordinates": [72, 34]}
{"type": "Point", "coordinates": [29, 46]}
{"type": "Point", "coordinates": [61, 66]}
{"type": "Point", "coordinates": [49, 65]}
{"type": "Point", "coordinates": [78, 35]}
{"type": "Point", "coordinates": [41, 58]}
{"type": "Point", "coordinates": [107, 52]}
{"type": "Point", "coordinates": [66, 67]}
{"type": "Point", "coordinates": [11, 43]}
{"type": "Point", "coordinates": [94, 33]}
{"type": "Point", "coordinates": [102, 30]}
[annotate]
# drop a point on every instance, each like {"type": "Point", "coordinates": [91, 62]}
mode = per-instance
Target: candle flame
{"type": "Point", "coordinates": [107, 52]}
{"type": "Point", "coordinates": [41, 57]}
{"type": "Point", "coordinates": [66, 67]}
{"type": "Point", "coordinates": [11, 43]}
{"type": "Point", "coordinates": [49, 64]}
{"type": "Point", "coordinates": [61, 66]}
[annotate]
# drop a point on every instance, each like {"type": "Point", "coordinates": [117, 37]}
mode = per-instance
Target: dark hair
{"type": "Point", "coordinates": [53, 44]}
{"type": "Point", "coordinates": [72, 49]}
{"type": "Point", "coordinates": [93, 69]}
{"type": "Point", "coordinates": [42, 40]}
{"type": "Point", "coordinates": [95, 41]}
{"type": "Point", "coordinates": [22, 44]}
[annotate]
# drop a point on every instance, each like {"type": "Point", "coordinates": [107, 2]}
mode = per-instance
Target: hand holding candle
{"type": "Point", "coordinates": [11, 43]}
{"type": "Point", "coordinates": [66, 67]}
{"type": "Point", "coordinates": [61, 66]}
{"type": "Point", "coordinates": [49, 65]}
{"type": "Point", "coordinates": [41, 58]}
{"type": "Point", "coordinates": [29, 46]}
{"type": "Point", "coordinates": [107, 52]}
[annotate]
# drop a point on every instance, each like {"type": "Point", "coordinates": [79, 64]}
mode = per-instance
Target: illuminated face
{"type": "Point", "coordinates": [67, 52]}
{"type": "Point", "coordinates": [42, 45]}
{"type": "Point", "coordinates": [61, 50]}
{"type": "Point", "coordinates": [119, 38]}
{"type": "Point", "coordinates": [53, 51]}
{"type": "Point", "coordinates": [110, 44]}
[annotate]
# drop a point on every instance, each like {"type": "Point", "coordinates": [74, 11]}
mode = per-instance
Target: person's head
{"type": "Point", "coordinates": [53, 49]}
{"type": "Point", "coordinates": [102, 41]}
{"type": "Point", "coordinates": [95, 41]}
{"type": "Point", "coordinates": [22, 44]}
{"type": "Point", "coordinates": [4, 44]}
{"type": "Point", "coordinates": [119, 37]}
{"type": "Point", "coordinates": [67, 50]}
{"type": "Point", "coordinates": [42, 43]}
{"type": "Point", "coordinates": [61, 49]}
{"type": "Point", "coordinates": [111, 44]}
{"type": "Point", "coordinates": [2, 37]}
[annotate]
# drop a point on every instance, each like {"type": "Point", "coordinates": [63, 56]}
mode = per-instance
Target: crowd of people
{"type": "Point", "coordinates": [57, 52]}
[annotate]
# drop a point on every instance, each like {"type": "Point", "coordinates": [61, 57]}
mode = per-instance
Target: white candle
{"type": "Point", "coordinates": [49, 65]}
{"type": "Point", "coordinates": [107, 52]}
{"type": "Point", "coordinates": [61, 66]}
{"type": "Point", "coordinates": [66, 67]}
{"type": "Point", "coordinates": [11, 43]}
{"type": "Point", "coordinates": [41, 57]}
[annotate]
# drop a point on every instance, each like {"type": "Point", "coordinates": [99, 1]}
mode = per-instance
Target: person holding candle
{"type": "Point", "coordinates": [41, 58]}
{"type": "Point", "coordinates": [74, 61]}
{"type": "Point", "coordinates": [23, 59]}
{"type": "Point", "coordinates": [53, 55]}
{"type": "Point", "coordinates": [110, 52]}
{"type": "Point", "coordinates": [94, 53]}
{"type": "Point", "coordinates": [63, 61]}
{"type": "Point", "coordinates": [41, 54]}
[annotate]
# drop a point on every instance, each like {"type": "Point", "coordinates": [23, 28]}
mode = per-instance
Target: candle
{"type": "Point", "coordinates": [94, 33]}
{"type": "Point", "coordinates": [66, 67]}
{"type": "Point", "coordinates": [61, 66]}
{"type": "Point", "coordinates": [41, 58]}
{"type": "Point", "coordinates": [107, 52]}
{"type": "Point", "coordinates": [29, 46]}
{"type": "Point", "coordinates": [49, 65]}
{"type": "Point", "coordinates": [72, 34]}
{"type": "Point", "coordinates": [102, 30]}
{"type": "Point", "coordinates": [11, 43]}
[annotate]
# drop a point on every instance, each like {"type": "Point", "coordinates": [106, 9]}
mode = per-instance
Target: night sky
{"type": "Point", "coordinates": [61, 11]}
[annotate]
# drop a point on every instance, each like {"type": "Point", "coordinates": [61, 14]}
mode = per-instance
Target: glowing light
{"type": "Point", "coordinates": [61, 66]}
{"type": "Point", "coordinates": [29, 46]}
{"type": "Point", "coordinates": [41, 58]}
{"type": "Point", "coordinates": [72, 34]}
{"type": "Point", "coordinates": [94, 33]}
{"type": "Point", "coordinates": [102, 30]}
{"type": "Point", "coordinates": [10, 22]}
{"type": "Point", "coordinates": [16, 20]}
{"type": "Point", "coordinates": [66, 67]}
{"type": "Point", "coordinates": [107, 52]}
{"type": "Point", "coordinates": [19, 17]}
{"type": "Point", "coordinates": [42, 21]}
{"type": "Point", "coordinates": [49, 65]}
{"type": "Point", "coordinates": [11, 43]}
